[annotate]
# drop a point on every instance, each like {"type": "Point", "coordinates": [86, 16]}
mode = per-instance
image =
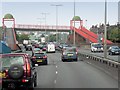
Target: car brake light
{"type": "Point", "coordinates": [63, 53]}
{"type": "Point", "coordinates": [33, 57]}
{"type": "Point", "coordinates": [76, 52]}
{"type": "Point", "coordinates": [24, 80]}
{"type": "Point", "coordinates": [45, 57]}
{"type": "Point", "coordinates": [28, 69]}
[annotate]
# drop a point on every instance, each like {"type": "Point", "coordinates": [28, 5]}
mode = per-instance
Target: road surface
{"type": "Point", "coordinates": [58, 74]}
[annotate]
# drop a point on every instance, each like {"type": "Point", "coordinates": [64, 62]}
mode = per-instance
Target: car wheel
{"type": "Point", "coordinates": [46, 62]}
{"type": "Point", "coordinates": [76, 60]}
{"type": "Point", "coordinates": [16, 71]}
{"type": "Point", "coordinates": [63, 60]}
{"type": "Point", "coordinates": [35, 81]}
{"type": "Point", "coordinates": [32, 85]}
{"type": "Point", "coordinates": [111, 53]}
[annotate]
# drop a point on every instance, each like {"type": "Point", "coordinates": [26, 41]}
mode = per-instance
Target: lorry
{"type": "Point", "coordinates": [42, 39]}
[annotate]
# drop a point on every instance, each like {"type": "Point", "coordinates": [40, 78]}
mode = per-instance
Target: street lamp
{"type": "Point", "coordinates": [74, 26]}
{"type": "Point", "coordinates": [40, 20]}
{"type": "Point", "coordinates": [56, 5]}
{"type": "Point", "coordinates": [105, 32]}
{"type": "Point", "coordinates": [45, 20]}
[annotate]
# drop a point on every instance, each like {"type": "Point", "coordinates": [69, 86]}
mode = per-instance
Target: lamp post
{"type": "Point", "coordinates": [105, 32]}
{"type": "Point", "coordinates": [74, 26]}
{"type": "Point", "coordinates": [45, 20]}
{"type": "Point", "coordinates": [56, 5]}
{"type": "Point", "coordinates": [40, 22]}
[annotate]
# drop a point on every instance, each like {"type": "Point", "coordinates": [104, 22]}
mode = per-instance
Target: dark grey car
{"type": "Point", "coordinates": [114, 50]}
{"type": "Point", "coordinates": [69, 54]}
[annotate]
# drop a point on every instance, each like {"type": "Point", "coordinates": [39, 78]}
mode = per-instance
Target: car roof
{"type": "Point", "coordinates": [14, 54]}
{"type": "Point", "coordinates": [70, 47]}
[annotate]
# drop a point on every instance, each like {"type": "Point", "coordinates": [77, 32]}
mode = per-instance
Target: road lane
{"type": "Point", "coordinates": [82, 75]}
{"type": "Point", "coordinates": [101, 54]}
{"type": "Point", "coordinates": [47, 73]}
{"type": "Point", "coordinates": [79, 74]}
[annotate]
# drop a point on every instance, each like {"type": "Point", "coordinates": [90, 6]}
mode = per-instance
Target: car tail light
{"type": "Point", "coordinates": [24, 80]}
{"type": "Point", "coordinates": [33, 57]}
{"type": "Point", "coordinates": [28, 69]}
{"type": "Point", "coordinates": [6, 71]}
{"type": "Point", "coordinates": [44, 57]}
{"type": "Point", "coordinates": [76, 52]}
{"type": "Point", "coordinates": [64, 53]}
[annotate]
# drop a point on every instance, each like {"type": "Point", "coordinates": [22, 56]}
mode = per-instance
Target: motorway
{"type": "Point", "coordinates": [58, 74]}
{"type": "Point", "coordinates": [101, 54]}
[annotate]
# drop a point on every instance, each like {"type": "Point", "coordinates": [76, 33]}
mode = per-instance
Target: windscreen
{"type": "Point", "coordinates": [39, 54]}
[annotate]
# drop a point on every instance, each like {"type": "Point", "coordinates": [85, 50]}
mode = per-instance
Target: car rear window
{"type": "Point", "coordinates": [39, 54]}
{"type": "Point", "coordinates": [115, 47]}
{"type": "Point", "coordinates": [9, 60]}
{"type": "Point", "coordinates": [70, 50]}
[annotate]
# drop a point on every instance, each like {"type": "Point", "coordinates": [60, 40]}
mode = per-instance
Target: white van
{"type": "Point", "coordinates": [51, 47]}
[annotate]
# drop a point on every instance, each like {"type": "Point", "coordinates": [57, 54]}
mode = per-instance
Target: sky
{"type": "Point", "coordinates": [30, 12]}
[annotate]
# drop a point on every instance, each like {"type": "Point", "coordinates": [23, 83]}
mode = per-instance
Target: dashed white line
{"type": "Point", "coordinates": [56, 66]}
{"type": "Point", "coordinates": [56, 72]}
{"type": "Point", "coordinates": [55, 81]}
{"type": "Point", "coordinates": [87, 57]}
{"type": "Point", "coordinates": [88, 62]}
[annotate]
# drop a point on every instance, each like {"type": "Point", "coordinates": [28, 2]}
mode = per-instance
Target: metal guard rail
{"type": "Point", "coordinates": [107, 61]}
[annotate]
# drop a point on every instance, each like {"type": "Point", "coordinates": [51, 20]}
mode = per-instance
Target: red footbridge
{"type": "Point", "coordinates": [92, 37]}
{"type": "Point", "coordinates": [81, 31]}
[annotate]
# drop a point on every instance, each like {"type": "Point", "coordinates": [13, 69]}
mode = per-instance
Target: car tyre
{"type": "Point", "coordinates": [45, 62]}
{"type": "Point", "coordinates": [76, 60]}
{"type": "Point", "coordinates": [63, 60]}
{"type": "Point", "coordinates": [111, 53]}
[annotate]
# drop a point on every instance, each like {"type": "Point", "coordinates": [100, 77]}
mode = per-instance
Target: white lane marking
{"type": "Point", "coordinates": [56, 66]}
{"type": "Point", "coordinates": [56, 72]}
{"type": "Point", "coordinates": [88, 62]}
{"type": "Point", "coordinates": [55, 81]}
{"type": "Point", "coordinates": [87, 57]}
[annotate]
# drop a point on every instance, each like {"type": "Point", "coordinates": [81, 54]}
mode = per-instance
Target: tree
{"type": "Point", "coordinates": [0, 33]}
{"type": "Point", "coordinates": [52, 37]}
{"type": "Point", "coordinates": [21, 37]}
{"type": "Point", "coordinates": [114, 34]}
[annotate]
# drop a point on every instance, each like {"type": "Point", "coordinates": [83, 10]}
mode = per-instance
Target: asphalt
{"type": "Point", "coordinates": [58, 74]}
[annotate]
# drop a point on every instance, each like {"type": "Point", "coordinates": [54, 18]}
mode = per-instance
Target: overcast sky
{"type": "Point", "coordinates": [29, 12]}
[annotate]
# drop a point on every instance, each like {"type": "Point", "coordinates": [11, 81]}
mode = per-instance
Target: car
{"type": "Point", "coordinates": [62, 46]}
{"type": "Point", "coordinates": [29, 47]}
{"type": "Point", "coordinates": [22, 48]}
{"type": "Point", "coordinates": [44, 48]}
{"type": "Point", "coordinates": [17, 71]}
{"type": "Point", "coordinates": [96, 47]}
{"type": "Point", "coordinates": [36, 50]}
{"type": "Point", "coordinates": [39, 58]}
{"type": "Point", "coordinates": [114, 50]}
{"type": "Point", "coordinates": [36, 45]}
{"type": "Point", "coordinates": [69, 54]}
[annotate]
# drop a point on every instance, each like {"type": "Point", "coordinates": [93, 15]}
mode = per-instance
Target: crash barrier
{"type": "Point", "coordinates": [103, 60]}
